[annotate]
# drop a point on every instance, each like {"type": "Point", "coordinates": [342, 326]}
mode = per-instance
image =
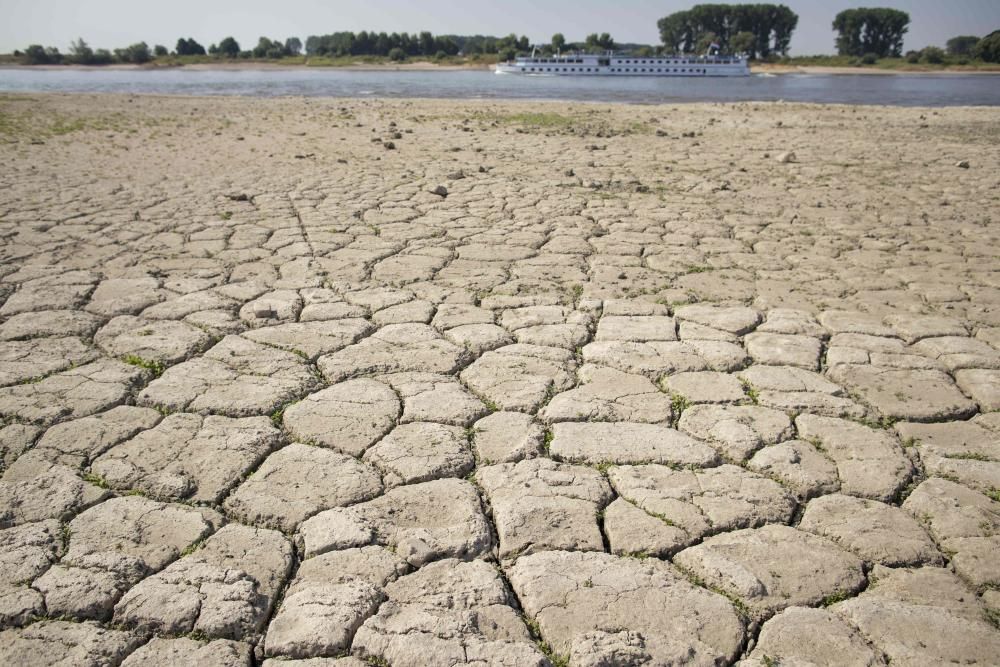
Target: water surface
{"type": "Point", "coordinates": [890, 89]}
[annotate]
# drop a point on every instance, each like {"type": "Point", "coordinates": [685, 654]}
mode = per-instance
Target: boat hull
{"type": "Point", "coordinates": [676, 66]}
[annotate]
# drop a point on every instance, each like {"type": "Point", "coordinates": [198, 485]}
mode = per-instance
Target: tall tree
{"type": "Point", "coordinates": [80, 52]}
{"type": "Point", "coordinates": [189, 47]}
{"type": "Point", "coordinates": [743, 42]}
{"type": "Point", "coordinates": [136, 53]}
{"type": "Point", "coordinates": [229, 48]}
{"type": "Point", "coordinates": [293, 46]}
{"type": "Point", "coordinates": [865, 30]}
{"type": "Point", "coordinates": [771, 27]}
{"type": "Point", "coordinates": [988, 48]}
{"type": "Point", "coordinates": [962, 45]}
{"type": "Point", "coordinates": [558, 42]}
{"type": "Point", "coordinates": [36, 54]}
{"type": "Point", "coordinates": [426, 43]}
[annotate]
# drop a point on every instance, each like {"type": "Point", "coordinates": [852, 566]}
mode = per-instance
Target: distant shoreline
{"type": "Point", "coordinates": [778, 68]}
{"type": "Point", "coordinates": [428, 66]}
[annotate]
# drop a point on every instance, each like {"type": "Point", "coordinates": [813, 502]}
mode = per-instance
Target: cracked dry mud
{"type": "Point", "coordinates": [542, 385]}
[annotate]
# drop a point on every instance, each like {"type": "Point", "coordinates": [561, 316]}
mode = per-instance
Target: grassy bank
{"type": "Point", "coordinates": [950, 63]}
{"type": "Point", "coordinates": [298, 61]}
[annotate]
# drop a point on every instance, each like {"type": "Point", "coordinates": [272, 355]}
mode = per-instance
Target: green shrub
{"type": "Point", "coordinates": [932, 55]}
{"type": "Point", "coordinates": [912, 57]}
{"type": "Point", "coordinates": [397, 55]}
{"type": "Point", "coordinates": [869, 59]}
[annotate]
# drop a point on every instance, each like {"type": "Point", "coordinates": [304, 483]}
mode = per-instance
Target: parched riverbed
{"type": "Point", "coordinates": [406, 382]}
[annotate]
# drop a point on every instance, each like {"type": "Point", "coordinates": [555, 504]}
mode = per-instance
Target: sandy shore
{"type": "Point", "coordinates": [446, 382]}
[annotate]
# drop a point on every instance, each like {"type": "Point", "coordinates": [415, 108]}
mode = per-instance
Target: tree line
{"type": "Point", "coordinates": [80, 53]}
{"type": "Point", "coordinates": [872, 33]}
{"type": "Point", "coordinates": [758, 30]}
{"type": "Point", "coordinates": [762, 30]}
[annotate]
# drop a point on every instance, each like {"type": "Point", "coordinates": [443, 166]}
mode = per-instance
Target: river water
{"type": "Point", "coordinates": [894, 89]}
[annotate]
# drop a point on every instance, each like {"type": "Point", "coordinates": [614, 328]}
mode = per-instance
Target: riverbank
{"type": "Point", "coordinates": [523, 383]}
{"type": "Point", "coordinates": [372, 64]}
{"type": "Point", "coordinates": [779, 68]}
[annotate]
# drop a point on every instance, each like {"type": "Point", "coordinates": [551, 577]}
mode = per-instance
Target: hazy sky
{"type": "Point", "coordinates": [116, 23]}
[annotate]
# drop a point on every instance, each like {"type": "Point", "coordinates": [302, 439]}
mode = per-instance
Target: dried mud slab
{"type": "Point", "coordinates": [41, 490]}
{"type": "Point", "coordinates": [113, 546]}
{"type": "Point", "coordinates": [693, 504]}
{"type": "Point", "coordinates": [312, 339]}
{"type": "Point", "coordinates": [164, 341]}
{"type": "Point", "coordinates": [448, 612]}
{"type": "Point", "coordinates": [188, 457]}
{"type": "Point", "coordinates": [801, 466]}
{"type": "Point", "coordinates": [963, 451]}
{"type": "Point", "coordinates": [432, 397]}
{"type": "Point", "coordinates": [421, 452]}
{"type": "Point", "coordinates": [72, 394]}
{"type": "Point", "coordinates": [349, 417]}
{"type": "Point", "coordinates": [330, 598]}
{"type": "Point", "coordinates": [223, 590]}
{"type": "Point", "coordinates": [539, 505]}
{"type": "Point", "coordinates": [67, 643]}
{"type": "Point", "coordinates": [520, 377]}
{"type": "Point", "coordinates": [26, 552]}
{"type": "Point", "coordinates": [76, 443]}
{"type": "Point", "coordinates": [774, 567]}
{"type": "Point", "coordinates": [870, 463]}
{"type": "Point", "coordinates": [925, 615]}
{"type": "Point", "coordinates": [874, 531]}
{"type": "Point", "coordinates": [506, 437]}
{"type": "Point", "coordinates": [21, 361]}
{"type": "Point", "coordinates": [912, 395]}
{"type": "Point", "coordinates": [596, 608]}
{"type": "Point", "coordinates": [237, 377]}
{"type": "Point", "coordinates": [737, 431]}
{"type": "Point", "coordinates": [219, 653]}
{"type": "Point", "coordinates": [811, 636]}
{"type": "Point", "coordinates": [394, 348]}
{"type": "Point", "coordinates": [420, 522]}
{"type": "Point", "coordinates": [965, 523]}
{"type": "Point", "coordinates": [627, 442]}
{"type": "Point", "coordinates": [299, 481]}
{"type": "Point", "coordinates": [609, 395]}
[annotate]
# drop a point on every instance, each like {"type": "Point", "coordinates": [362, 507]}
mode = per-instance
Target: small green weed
{"type": "Point", "coordinates": [156, 367]}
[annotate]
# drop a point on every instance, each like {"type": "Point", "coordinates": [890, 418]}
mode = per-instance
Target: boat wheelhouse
{"type": "Point", "coordinates": [623, 65]}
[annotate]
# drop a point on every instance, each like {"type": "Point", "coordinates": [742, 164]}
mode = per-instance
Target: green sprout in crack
{"type": "Point", "coordinates": [834, 598]}
{"type": "Point", "coordinates": [156, 367]}
{"type": "Point", "coordinates": [751, 392]}
{"type": "Point", "coordinates": [536, 633]}
{"type": "Point", "coordinates": [96, 480]}
{"type": "Point", "coordinates": [678, 404]}
{"type": "Point", "coordinates": [547, 441]}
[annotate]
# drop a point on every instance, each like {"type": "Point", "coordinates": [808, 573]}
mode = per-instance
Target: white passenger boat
{"type": "Point", "coordinates": [623, 65]}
